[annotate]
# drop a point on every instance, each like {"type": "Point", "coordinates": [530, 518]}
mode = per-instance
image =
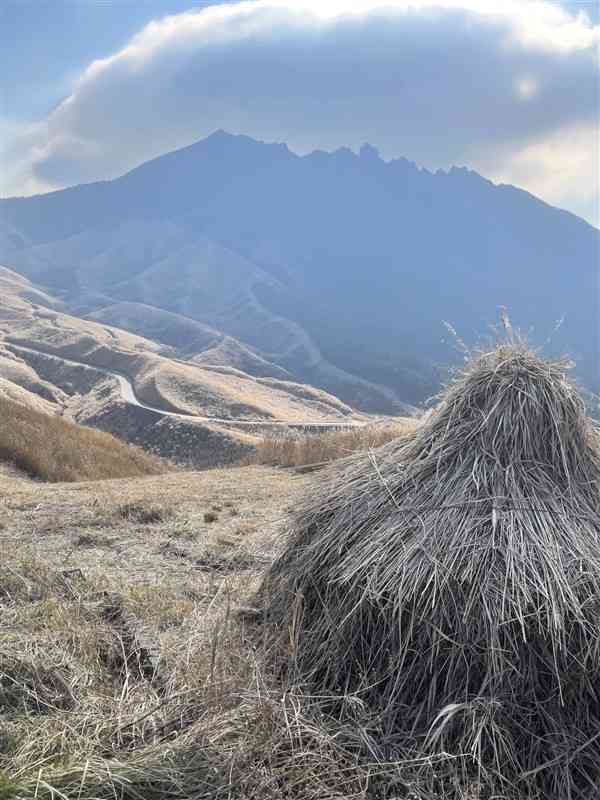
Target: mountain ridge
{"type": "Point", "coordinates": [339, 268]}
{"type": "Point", "coordinates": [367, 154]}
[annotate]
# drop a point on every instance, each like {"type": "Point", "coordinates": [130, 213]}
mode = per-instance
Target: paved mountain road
{"type": "Point", "coordinates": [129, 396]}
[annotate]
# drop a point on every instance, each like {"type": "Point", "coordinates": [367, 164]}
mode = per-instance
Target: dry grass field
{"type": "Point", "coordinates": [132, 661]}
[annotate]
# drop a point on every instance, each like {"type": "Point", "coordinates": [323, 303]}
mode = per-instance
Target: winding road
{"type": "Point", "coordinates": [129, 396]}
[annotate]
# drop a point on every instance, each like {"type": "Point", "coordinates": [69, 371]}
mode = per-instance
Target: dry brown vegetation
{"type": "Point", "coordinates": [434, 637]}
{"type": "Point", "coordinates": [131, 658]}
{"type": "Point", "coordinates": [316, 448]}
{"type": "Point", "coordinates": [441, 595]}
{"type": "Point", "coordinates": [53, 449]}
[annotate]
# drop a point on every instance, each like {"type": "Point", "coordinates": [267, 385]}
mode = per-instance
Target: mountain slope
{"type": "Point", "coordinates": [203, 412]}
{"type": "Point", "coordinates": [340, 269]}
{"type": "Point", "coordinates": [198, 342]}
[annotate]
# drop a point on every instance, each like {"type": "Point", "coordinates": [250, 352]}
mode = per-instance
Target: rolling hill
{"type": "Point", "coordinates": [202, 411]}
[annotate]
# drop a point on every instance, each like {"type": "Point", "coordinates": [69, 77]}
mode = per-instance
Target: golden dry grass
{"type": "Point", "coordinates": [317, 448]}
{"type": "Point", "coordinates": [167, 699]}
{"type": "Point", "coordinates": [132, 659]}
{"type": "Point", "coordinates": [53, 449]}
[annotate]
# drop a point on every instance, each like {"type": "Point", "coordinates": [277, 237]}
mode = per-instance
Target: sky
{"type": "Point", "coordinates": [91, 88]}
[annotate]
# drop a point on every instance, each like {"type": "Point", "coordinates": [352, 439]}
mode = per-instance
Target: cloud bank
{"type": "Point", "coordinates": [509, 88]}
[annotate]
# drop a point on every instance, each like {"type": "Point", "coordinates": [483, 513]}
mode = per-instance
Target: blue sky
{"type": "Point", "coordinates": [47, 43]}
{"type": "Point", "coordinates": [417, 83]}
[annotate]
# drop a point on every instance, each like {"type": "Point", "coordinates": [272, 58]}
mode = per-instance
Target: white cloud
{"type": "Point", "coordinates": [488, 83]}
{"type": "Point", "coordinates": [563, 166]}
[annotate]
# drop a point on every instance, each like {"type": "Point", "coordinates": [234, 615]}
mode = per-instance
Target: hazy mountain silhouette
{"type": "Point", "coordinates": [332, 265]}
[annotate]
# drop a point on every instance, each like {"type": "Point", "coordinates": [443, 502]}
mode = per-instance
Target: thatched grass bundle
{"type": "Point", "coordinates": [449, 584]}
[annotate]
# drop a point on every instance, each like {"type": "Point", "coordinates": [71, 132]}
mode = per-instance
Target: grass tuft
{"type": "Point", "coordinates": [145, 514]}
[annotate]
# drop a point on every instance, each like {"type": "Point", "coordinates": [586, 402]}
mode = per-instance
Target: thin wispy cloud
{"type": "Point", "coordinates": [509, 88]}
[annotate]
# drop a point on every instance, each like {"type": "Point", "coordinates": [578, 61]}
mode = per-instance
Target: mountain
{"type": "Point", "coordinates": [335, 269]}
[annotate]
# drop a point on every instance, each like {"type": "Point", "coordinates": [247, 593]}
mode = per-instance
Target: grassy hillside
{"type": "Point", "coordinates": [137, 658]}
{"type": "Point", "coordinates": [52, 449]}
{"type": "Point", "coordinates": [70, 363]}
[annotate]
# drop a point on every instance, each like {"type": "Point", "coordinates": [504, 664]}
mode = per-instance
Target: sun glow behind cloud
{"type": "Point", "coordinates": [527, 87]}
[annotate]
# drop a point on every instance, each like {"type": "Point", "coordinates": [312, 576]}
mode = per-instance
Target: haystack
{"type": "Point", "coordinates": [448, 584]}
